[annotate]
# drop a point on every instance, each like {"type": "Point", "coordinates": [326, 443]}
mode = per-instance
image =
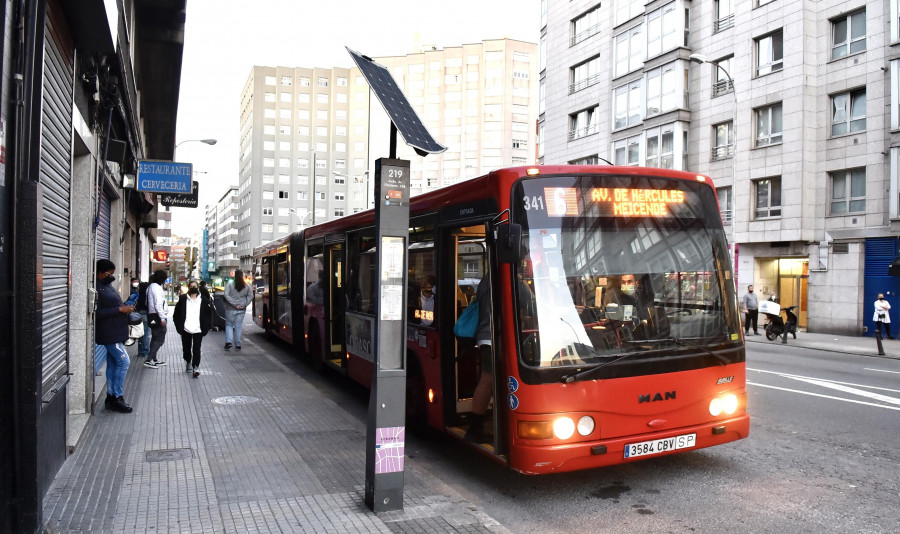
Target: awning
{"type": "Point", "coordinates": [894, 269]}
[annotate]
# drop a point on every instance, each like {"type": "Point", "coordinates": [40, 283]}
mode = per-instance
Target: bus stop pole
{"type": "Point", "coordinates": [386, 425]}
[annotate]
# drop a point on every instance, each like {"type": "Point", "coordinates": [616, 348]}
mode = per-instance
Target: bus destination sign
{"type": "Point", "coordinates": [614, 202]}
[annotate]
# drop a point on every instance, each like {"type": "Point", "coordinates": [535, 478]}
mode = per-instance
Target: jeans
{"type": "Point", "coordinates": [190, 348]}
{"type": "Point", "coordinates": [144, 342]}
{"type": "Point", "coordinates": [117, 362]}
{"type": "Point", "coordinates": [234, 324]}
{"type": "Point", "coordinates": [157, 341]}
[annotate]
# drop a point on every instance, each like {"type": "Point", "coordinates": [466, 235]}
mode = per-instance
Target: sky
{"type": "Point", "coordinates": [224, 39]}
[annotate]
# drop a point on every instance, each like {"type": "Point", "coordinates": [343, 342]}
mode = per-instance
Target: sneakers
{"type": "Point", "coordinates": [110, 401]}
{"type": "Point", "coordinates": [227, 346]}
{"type": "Point", "coordinates": [160, 363]}
{"type": "Point", "coordinates": [152, 364]}
{"type": "Point", "coordinates": [237, 347]}
{"type": "Point", "coordinates": [196, 372]}
{"type": "Point", "coordinates": [121, 406]}
{"type": "Point", "coordinates": [187, 367]}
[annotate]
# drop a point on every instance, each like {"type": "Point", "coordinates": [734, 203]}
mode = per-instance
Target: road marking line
{"type": "Point", "coordinates": [801, 377]}
{"type": "Point", "coordinates": [897, 408]}
{"type": "Point", "coordinates": [881, 370]}
{"type": "Point", "coordinates": [854, 391]}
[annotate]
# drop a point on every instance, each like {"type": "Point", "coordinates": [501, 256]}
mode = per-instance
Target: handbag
{"type": "Point", "coordinates": [136, 331]}
{"type": "Point", "coordinates": [135, 318]}
{"type": "Point", "coordinates": [467, 323]}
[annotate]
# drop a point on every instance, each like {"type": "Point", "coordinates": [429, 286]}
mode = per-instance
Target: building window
{"type": "Point", "coordinates": [724, 15]}
{"type": "Point", "coordinates": [629, 51]}
{"type": "Point", "coordinates": [322, 82]}
{"type": "Point", "coordinates": [768, 198]}
{"type": "Point", "coordinates": [268, 178]}
{"type": "Point", "coordinates": [270, 97]}
{"type": "Point", "coordinates": [286, 80]}
{"type": "Point", "coordinates": [628, 9]}
{"type": "Point", "coordinates": [768, 125]}
{"type": "Point", "coordinates": [848, 191]}
{"type": "Point", "coordinates": [303, 98]}
{"type": "Point", "coordinates": [320, 195]}
{"type": "Point", "coordinates": [338, 180]}
{"type": "Point", "coordinates": [284, 212]}
{"type": "Point", "coordinates": [584, 123]}
{"type": "Point", "coordinates": [303, 130]}
{"type": "Point", "coordinates": [662, 86]}
{"type": "Point", "coordinates": [848, 112]}
{"type": "Point", "coordinates": [267, 211]}
{"type": "Point", "coordinates": [849, 34]}
{"type": "Point", "coordinates": [518, 161]}
{"type": "Point", "coordinates": [303, 163]}
{"type": "Point", "coordinates": [340, 131]}
{"type": "Point", "coordinates": [585, 75]}
{"type": "Point", "coordinates": [662, 30]}
{"type": "Point", "coordinates": [342, 82]}
{"type": "Point", "coordinates": [339, 197]}
{"type": "Point", "coordinates": [519, 143]}
{"type": "Point", "coordinates": [283, 194]}
{"type": "Point", "coordinates": [302, 180]}
{"type": "Point", "coordinates": [321, 164]}
{"type": "Point", "coordinates": [338, 213]}
{"type": "Point", "coordinates": [627, 100]}
{"type": "Point", "coordinates": [267, 228]}
{"type": "Point", "coordinates": [723, 137]}
{"type": "Point", "coordinates": [283, 229]}
{"type": "Point", "coordinates": [586, 25]}
{"type": "Point", "coordinates": [322, 98]}
{"type": "Point", "coordinates": [304, 82]}
{"type": "Point", "coordinates": [587, 160]}
{"type": "Point", "coordinates": [724, 194]}
{"type": "Point", "coordinates": [723, 78]}
{"type": "Point", "coordinates": [270, 80]}
{"type": "Point", "coordinates": [660, 147]}
{"type": "Point", "coordinates": [627, 151]}
{"type": "Point", "coordinates": [769, 53]}
{"type": "Point", "coordinates": [301, 195]}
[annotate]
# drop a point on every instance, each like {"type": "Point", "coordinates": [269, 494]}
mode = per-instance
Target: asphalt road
{"type": "Point", "coordinates": [822, 456]}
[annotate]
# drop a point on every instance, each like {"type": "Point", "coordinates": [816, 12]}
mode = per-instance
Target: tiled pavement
{"type": "Point", "coordinates": [278, 458]}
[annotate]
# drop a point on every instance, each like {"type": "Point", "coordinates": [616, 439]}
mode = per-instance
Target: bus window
{"type": "Point", "coordinates": [315, 291]}
{"type": "Point", "coordinates": [361, 277]}
{"type": "Point", "coordinates": [421, 293]}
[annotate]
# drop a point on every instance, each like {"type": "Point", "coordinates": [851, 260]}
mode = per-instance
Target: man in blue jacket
{"type": "Point", "coordinates": [111, 331]}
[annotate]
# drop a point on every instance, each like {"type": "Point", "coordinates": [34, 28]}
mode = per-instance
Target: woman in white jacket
{"type": "Point", "coordinates": [238, 295]}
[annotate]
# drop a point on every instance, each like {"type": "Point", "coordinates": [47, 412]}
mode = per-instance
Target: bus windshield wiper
{"type": "Point", "coordinates": [681, 342]}
{"type": "Point", "coordinates": [567, 379]}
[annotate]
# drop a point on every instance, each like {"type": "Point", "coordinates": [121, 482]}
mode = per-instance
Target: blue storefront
{"type": "Point", "coordinates": [882, 275]}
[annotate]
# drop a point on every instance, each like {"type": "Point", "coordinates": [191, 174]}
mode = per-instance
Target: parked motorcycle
{"type": "Point", "coordinates": [776, 325]}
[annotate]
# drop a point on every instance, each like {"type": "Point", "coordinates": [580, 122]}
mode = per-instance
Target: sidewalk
{"type": "Point", "coordinates": [249, 446]}
{"type": "Point", "coordinates": [865, 346]}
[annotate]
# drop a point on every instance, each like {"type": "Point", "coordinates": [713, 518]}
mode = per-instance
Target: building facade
{"type": "Point", "coordinates": [479, 100]}
{"type": "Point", "coordinates": [222, 236]}
{"type": "Point", "coordinates": [88, 89]}
{"type": "Point", "coordinates": [790, 107]}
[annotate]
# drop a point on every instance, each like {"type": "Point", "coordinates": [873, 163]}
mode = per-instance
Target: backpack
{"type": "Point", "coordinates": [142, 296]}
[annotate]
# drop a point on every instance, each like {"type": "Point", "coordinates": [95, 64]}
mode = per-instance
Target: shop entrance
{"type": "Point", "coordinates": [788, 278]}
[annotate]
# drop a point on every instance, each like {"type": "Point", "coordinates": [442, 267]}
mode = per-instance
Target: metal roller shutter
{"type": "Point", "coordinates": [55, 176]}
{"type": "Point", "coordinates": [103, 225]}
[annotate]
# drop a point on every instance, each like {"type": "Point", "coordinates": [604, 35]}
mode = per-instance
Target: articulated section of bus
{"type": "Point", "coordinates": [626, 329]}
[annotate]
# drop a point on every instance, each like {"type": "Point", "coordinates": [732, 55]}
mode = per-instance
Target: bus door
{"type": "Point", "coordinates": [336, 304]}
{"type": "Point", "coordinates": [282, 298]}
{"type": "Point", "coordinates": [470, 267]}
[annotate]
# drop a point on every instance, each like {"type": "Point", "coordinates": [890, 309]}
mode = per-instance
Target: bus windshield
{"type": "Point", "coordinates": [620, 268]}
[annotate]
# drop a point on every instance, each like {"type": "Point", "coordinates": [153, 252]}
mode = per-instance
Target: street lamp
{"type": "Point", "coordinates": [700, 59]}
{"type": "Point", "coordinates": [302, 217]}
{"type": "Point", "coordinates": [204, 141]}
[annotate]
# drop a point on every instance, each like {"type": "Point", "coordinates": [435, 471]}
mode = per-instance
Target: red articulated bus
{"type": "Point", "coordinates": [615, 329]}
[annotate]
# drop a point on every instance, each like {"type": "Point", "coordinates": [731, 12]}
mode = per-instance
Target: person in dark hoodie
{"type": "Point", "coordinates": [111, 331]}
{"type": "Point", "coordinates": [193, 319]}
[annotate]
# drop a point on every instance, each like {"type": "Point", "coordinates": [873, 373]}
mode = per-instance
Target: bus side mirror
{"type": "Point", "coordinates": [509, 243]}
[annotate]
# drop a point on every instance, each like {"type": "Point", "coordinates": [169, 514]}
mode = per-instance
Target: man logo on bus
{"type": "Point", "coordinates": [656, 397]}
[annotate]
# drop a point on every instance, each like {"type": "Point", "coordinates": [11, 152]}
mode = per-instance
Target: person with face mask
{"type": "Point", "coordinates": [882, 316]}
{"type": "Point", "coordinates": [193, 319]}
{"type": "Point", "coordinates": [620, 290]}
{"type": "Point", "coordinates": [111, 331]}
{"type": "Point", "coordinates": [157, 314]}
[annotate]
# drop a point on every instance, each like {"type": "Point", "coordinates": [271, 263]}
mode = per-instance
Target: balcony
{"type": "Point", "coordinates": [722, 152]}
{"type": "Point", "coordinates": [584, 132]}
{"type": "Point", "coordinates": [722, 87]}
{"type": "Point", "coordinates": [723, 23]}
{"type": "Point", "coordinates": [578, 37]}
{"type": "Point", "coordinates": [582, 84]}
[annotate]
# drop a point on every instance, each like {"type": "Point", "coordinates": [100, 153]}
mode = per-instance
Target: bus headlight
{"type": "Point", "coordinates": [563, 428]}
{"type": "Point", "coordinates": [586, 425]}
{"type": "Point", "coordinates": [730, 403]}
{"type": "Point", "coordinates": [726, 403]}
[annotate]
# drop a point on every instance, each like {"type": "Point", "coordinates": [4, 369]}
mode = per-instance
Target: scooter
{"type": "Point", "coordinates": [777, 326]}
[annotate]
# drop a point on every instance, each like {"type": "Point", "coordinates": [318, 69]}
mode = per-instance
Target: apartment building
{"type": "Point", "coordinates": [221, 256]}
{"type": "Point", "coordinates": [479, 100]}
{"type": "Point", "coordinates": [790, 107]}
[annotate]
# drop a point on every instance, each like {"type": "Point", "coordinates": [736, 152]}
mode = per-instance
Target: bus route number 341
{"type": "Point", "coordinates": [658, 446]}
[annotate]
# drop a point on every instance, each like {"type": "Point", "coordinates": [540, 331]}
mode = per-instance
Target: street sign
{"type": "Point", "coordinates": [164, 177]}
{"type": "Point", "coordinates": [160, 256]}
{"type": "Point", "coordinates": [181, 201]}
